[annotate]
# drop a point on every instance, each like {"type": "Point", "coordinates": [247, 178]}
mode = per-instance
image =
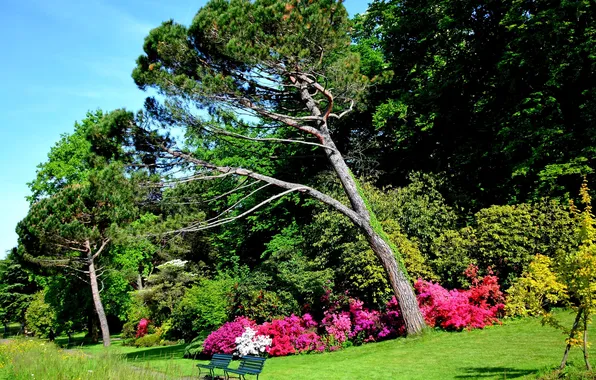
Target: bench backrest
{"type": "Point", "coordinates": [252, 364]}
{"type": "Point", "coordinates": [221, 360]}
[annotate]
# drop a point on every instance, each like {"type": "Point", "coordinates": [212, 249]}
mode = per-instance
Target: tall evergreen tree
{"type": "Point", "coordinates": [286, 70]}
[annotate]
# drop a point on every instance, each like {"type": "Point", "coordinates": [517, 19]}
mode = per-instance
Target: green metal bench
{"type": "Point", "coordinates": [249, 365]}
{"type": "Point", "coordinates": [220, 361]}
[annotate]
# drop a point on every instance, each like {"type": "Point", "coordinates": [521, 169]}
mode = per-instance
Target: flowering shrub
{"type": "Point", "coordinates": [290, 335]}
{"type": "Point", "coordinates": [223, 340]}
{"type": "Point", "coordinates": [347, 318]}
{"type": "Point", "coordinates": [249, 343]}
{"type": "Point", "coordinates": [455, 309]}
{"type": "Point", "coordinates": [142, 328]}
{"type": "Point", "coordinates": [366, 323]}
{"type": "Point", "coordinates": [337, 325]}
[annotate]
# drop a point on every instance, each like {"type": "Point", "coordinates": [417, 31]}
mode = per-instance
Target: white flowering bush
{"type": "Point", "coordinates": [175, 263]}
{"type": "Point", "coordinates": [249, 343]}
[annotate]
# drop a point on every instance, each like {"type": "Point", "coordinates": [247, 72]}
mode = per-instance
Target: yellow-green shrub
{"type": "Point", "coordinates": [538, 289]}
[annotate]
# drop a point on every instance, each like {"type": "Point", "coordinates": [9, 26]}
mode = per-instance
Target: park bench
{"type": "Point", "coordinates": [249, 365]}
{"type": "Point", "coordinates": [220, 361]}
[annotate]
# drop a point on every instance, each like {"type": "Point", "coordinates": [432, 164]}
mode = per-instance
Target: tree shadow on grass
{"type": "Point", "coordinates": [491, 372]}
{"type": "Point", "coordinates": [155, 353]}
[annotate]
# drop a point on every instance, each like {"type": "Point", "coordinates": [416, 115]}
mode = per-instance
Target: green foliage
{"type": "Point", "coordinates": [149, 340]}
{"type": "Point", "coordinates": [419, 208]}
{"type": "Point", "coordinates": [71, 300]}
{"type": "Point", "coordinates": [453, 253]}
{"type": "Point", "coordinates": [537, 290]}
{"type": "Point", "coordinates": [254, 297]}
{"type": "Point", "coordinates": [40, 318]}
{"type": "Point", "coordinates": [505, 239]}
{"type": "Point", "coordinates": [137, 310]}
{"type": "Point", "coordinates": [165, 289]}
{"type": "Point", "coordinates": [116, 295]}
{"type": "Point", "coordinates": [195, 347]}
{"type": "Point", "coordinates": [471, 80]}
{"type": "Point", "coordinates": [576, 270]}
{"type": "Point", "coordinates": [203, 308]}
{"type": "Point", "coordinates": [16, 289]}
{"type": "Point", "coordinates": [292, 268]}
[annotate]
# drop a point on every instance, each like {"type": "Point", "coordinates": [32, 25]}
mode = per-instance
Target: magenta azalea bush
{"type": "Point", "coordinates": [142, 328]}
{"type": "Point", "coordinates": [346, 319]}
{"type": "Point", "coordinates": [223, 340]}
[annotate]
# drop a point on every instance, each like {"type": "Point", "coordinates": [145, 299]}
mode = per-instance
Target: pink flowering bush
{"type": "Point", "coordinates": [223, 340]}
{"type": "Point", "coordinates": [142, 328]}
{"type": "Point", "coordinates": [366, 324]}
{"type": "Point", "coordinates": [337, 325]}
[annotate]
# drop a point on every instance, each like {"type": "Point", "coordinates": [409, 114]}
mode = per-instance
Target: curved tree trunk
{"type": "Point", "coordinates": [396, 272]}
{"type": "Point", "coordinates": [399, 281]}
{"type": "Point", "coordinates": [103, 321]}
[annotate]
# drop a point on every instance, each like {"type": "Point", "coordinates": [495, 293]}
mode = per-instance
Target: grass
{"type": "Point", "coordinates": [517, 349]}
{"type": "Point", "coordinates": [27, 358]}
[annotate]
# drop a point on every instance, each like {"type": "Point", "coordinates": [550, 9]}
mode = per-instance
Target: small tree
{"type": "Point", "coordinates": [73, 227]}
{"type": "Point", "coordinates": [577, 271]}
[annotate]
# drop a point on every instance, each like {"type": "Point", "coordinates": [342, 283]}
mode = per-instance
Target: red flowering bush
{"type": "Point", "coordinates": [455, 309]}
{"type": "Point", "coordinates": [223, 340]}
{"type": "Point", "coordinates": [142, 328]}
{"type": "Point", "coordinates": [290, 335]}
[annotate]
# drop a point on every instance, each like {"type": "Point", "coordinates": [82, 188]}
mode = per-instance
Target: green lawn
{"type": "Point", "coordinates": [517, 349]}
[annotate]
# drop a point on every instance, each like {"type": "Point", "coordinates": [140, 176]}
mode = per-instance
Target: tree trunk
{"type": "Point", "coordinates": [399, 281]}
{"type": "Point", "coordinates": [571, 334]}
{"type": "Point", "coordinates": [586, 360]}
{"type": "Point", "coordinates": [139, 282]}
{"type": "Point", "coordinates": [396, 273]}
{"type": "Point", "coordinates": [103, 322]}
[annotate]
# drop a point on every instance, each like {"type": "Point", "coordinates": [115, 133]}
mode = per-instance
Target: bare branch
{"type": "Point", "coordinates": [274, 181]}
{"type": "Point", "coordinates": [344, 113]}
{"type": "Point", "coordinates": [236, 135]}
{"type": "Point", "coordinates": [103, 245]}
{"type": "Point", "coordinates": [231, 219]}
{"type": "Point", "coordinates": [237, 203]}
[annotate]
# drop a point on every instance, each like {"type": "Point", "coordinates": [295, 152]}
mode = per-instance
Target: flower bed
{"type": "Point", "coordinates": [347, 320]}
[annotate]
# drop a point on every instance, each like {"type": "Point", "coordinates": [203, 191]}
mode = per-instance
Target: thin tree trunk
{"type": "Point", "coordinates": [571, 334]}
{"type": "Point", "coordinates": [103, 322]}
{"type": "Point", "coordinates": [139, 282]}
{"type": "Point", "coordinates": [588, 366]}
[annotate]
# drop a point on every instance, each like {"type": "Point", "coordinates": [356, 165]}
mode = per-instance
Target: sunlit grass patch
{"type": "Point", "coordinates": [37, 359]}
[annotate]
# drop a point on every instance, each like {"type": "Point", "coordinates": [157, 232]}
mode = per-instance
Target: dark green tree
{"type": "Point", "coordinates": [286, 70]}
{"type": "Point", "coordinates": [16, 290]}
{"type": "Point", "coordinates": [497, 94]}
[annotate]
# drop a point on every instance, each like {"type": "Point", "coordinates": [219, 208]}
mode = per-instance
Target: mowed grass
{"type": "Point", "coordinates": [516, 349]}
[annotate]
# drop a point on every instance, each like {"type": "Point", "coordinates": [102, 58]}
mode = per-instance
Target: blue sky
{"type": "Point", "coordinates": [61, 58]}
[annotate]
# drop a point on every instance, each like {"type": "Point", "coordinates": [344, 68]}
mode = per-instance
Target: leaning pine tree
{"type": "Point", "coordinates": [286, 72]}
